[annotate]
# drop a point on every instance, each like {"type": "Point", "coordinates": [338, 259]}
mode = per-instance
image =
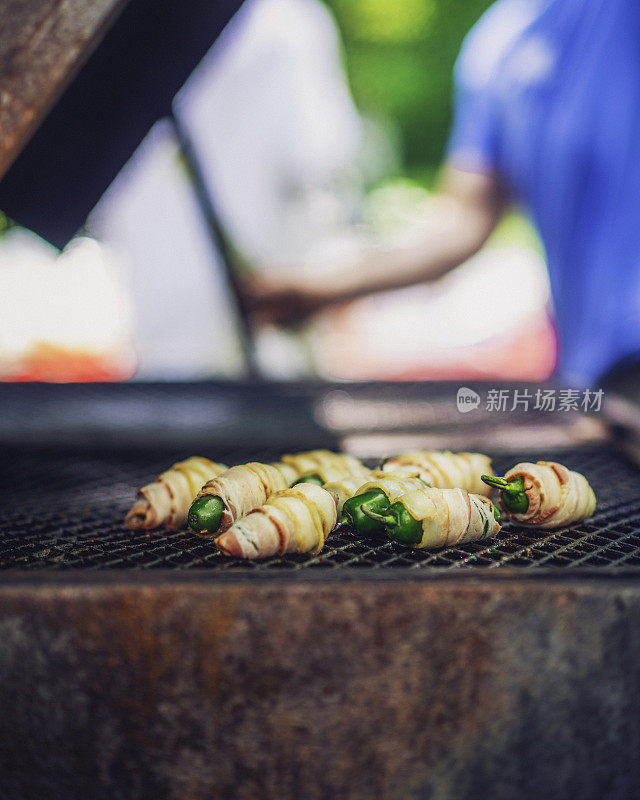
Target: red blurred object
{"type": "Point", "coordinates": [528, 353]}
{"type": "Point", "coordinates": [55, 364]}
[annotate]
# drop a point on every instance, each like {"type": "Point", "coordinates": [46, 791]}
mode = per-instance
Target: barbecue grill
{"type": "Point", "coordinates": [149, 662]}
{"type": "Point", "coordinates": [146, 665]}
{"type": "Point", "coordinates": [76, 522]}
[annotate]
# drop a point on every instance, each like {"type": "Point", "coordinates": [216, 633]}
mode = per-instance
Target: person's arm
{"type": "Point", "coordinates": [457, 221]}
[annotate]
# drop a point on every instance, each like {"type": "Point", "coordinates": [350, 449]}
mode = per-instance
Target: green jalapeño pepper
{"type": "Point", "coordinates": [205, 514]}
{"type": "Point", "coordinates": [512, 492]}
{"type": "Point", "coordinates": [374, 500]}
{"type": "Point", "coordinates": [313, 478]}
{"type": "Point", "coordinates": [400, 526]}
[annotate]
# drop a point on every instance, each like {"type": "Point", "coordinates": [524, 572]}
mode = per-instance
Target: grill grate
{"type": "Point", "coordinates": [65, 510]}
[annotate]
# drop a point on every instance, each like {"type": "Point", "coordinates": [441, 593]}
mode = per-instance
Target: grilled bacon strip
{"type": "Point", "coordinates": [347, 487]}
{"type": "Point", "coordinates": [394, 486]}
{"type": "Point", "coordinates": [165, 501]}
{"type": "Point", "coordinates": [295, 520]}
{"type": "Point", "coordinates": [337, 473]}
{"type": "Point", "coordinates": [451, 516]}
{"type": "Point", "coordinates": [326, 465]}
{"type": "Point", "coordinates": [443, 469]}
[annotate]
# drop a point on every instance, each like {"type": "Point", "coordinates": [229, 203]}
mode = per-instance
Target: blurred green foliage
{"type": "Point", "coordinates": [399, 57]}
{"type": "Point", "coordinates": [5, 223]}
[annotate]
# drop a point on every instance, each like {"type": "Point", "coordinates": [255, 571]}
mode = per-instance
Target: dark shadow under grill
{"type": "Point", "coordinates": [65, 510]}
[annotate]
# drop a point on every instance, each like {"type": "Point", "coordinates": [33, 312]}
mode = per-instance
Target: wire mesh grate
{"type": "Point", "coordinates": [65, 510]}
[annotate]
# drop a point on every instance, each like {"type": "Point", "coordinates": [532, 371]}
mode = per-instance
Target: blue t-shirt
{"type": "Point", "coordinates": [548, 97]}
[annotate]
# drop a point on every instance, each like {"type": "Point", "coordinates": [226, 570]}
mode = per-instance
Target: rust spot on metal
{"type": "Point", "coordinates": [43, 44]}
{"type": "Point", "coordinates": [317, 689]}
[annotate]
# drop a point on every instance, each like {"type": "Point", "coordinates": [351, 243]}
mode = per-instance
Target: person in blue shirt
{"type": "Point", "coordinates": [547, 116]}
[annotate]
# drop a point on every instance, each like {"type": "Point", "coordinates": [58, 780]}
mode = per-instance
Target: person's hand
{"type": "Point", "coordinates": [282, 299]}
{"type": "Point", "coordinates": [456, 222]}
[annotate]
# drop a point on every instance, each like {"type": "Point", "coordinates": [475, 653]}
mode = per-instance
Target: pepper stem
{"type": "Point", "coordinates": [343, 522]}
{"type": "Point", "coordinates": [388, 520]}
{"type": "Point", "coordinates": [512, 487]}
{"type": "Point", "coordinates": [512, 492]}
{"type": "Point", "coordinates": [495, 481]}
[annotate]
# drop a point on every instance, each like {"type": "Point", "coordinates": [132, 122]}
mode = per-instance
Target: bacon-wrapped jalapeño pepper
{"type": "Point", "coordinates": [165, 501]}
{"type": "Point", "coordinates": [241, 489]}
{"type": "Point", "coordinates": [295, 520]}
{"type": "Point", "coordinates": [434, 518]}
{"type": "Point", "coordinates": [545, 495]}
{"type": "Point", "coordinates": [443, 469]}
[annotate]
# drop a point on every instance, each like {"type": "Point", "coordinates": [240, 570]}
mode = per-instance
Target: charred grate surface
{"type": "Point", "coordinates": [66, 510]}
